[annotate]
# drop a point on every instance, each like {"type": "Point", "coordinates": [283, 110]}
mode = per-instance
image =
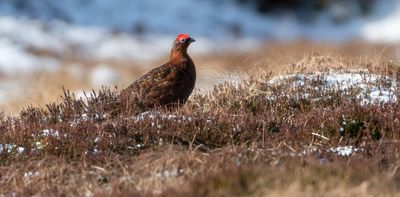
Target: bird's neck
{"type": "Point", "coordinates": [178, 56]}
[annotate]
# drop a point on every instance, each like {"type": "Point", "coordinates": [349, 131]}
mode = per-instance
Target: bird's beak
{"type": "Point", "coordinates": [192, 40]}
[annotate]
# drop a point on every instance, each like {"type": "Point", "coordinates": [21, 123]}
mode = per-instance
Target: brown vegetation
{"type": "Point", "coordinates": [243, 138]}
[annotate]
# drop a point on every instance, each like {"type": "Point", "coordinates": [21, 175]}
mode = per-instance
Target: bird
{"type": "Point", "coordinates": [170, 84]}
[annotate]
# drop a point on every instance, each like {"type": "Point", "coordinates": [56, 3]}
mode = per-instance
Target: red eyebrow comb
{"type": "Point", "coordinates": [180, 36]}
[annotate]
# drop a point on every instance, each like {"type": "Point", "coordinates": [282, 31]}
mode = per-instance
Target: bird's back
{"type": "Point", "coordinates": [169, 84]}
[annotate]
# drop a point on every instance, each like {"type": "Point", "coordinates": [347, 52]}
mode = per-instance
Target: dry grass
{"type": "Point", "coordinates": [232, 141]}
{"type": "Point", "coordinates": [39, 89]}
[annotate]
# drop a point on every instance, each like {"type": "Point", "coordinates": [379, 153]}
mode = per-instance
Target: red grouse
{"type": "Point", "coordinates": [170, 84]}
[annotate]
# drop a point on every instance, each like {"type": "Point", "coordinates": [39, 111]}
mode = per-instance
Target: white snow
{"type": "Point", "coordinates": [29, 33]}
{"type": "Point", "coordinates": [50, 133]}
{"type": "Point", "coordinates": [169, 173]}
{"type": "Point", "coordinates": [85, 117]}
{"type": "Point", "coordinates": [84, 94]}
{"type": "Point", "coordinates": [104, 75]}
{"type": "Point", "coordinates": [156, 118]}
{"type": "Point", "coordinates": [15, 60]}
{"type": "Point", "coordinates": [29, 175]}
{"type": "Point", "coordinates": [20, 150]}
{"type": "Point", "coordinates": [306, 151]}
{"type": "Point", "coordinates": [154, 115]}
{"type": "Point", "coordinates": [344, 150]}
{"type": "Point", "coordinates": [217, 20]}
{"type": "Point", "coordinates": [371, 88]}
{"type": "Point", "coordinates": [6, 147]}
{"type": "Point", "coordinates": [88, 42]}
{"type": "Point", "coordinates": [39, 143]}
{"type": "Point", "coordinates": [385, 29]}
{"type": "Point", "coordinates": [90, 31]}
{"type": "Point", "coordinates": [79, 118]}
{"type": "Point", "coordinates": [9, 148]}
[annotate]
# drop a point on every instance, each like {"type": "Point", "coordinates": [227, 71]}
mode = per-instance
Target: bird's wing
{"type": "Point", "coordinates": [158, 86]}
{"type": "Point", "coordinates": [151, 79]}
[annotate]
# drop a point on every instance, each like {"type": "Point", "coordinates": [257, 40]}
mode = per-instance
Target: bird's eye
{"type": "Point", "coordinates": [182, 40]}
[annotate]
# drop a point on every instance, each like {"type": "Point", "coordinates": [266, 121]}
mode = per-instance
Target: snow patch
{"type": "Point", "coordinates": [344, 151]}
{"type": "Point", "coordinates": [10, 148]}
{"type": "Point", "coordinates": [50, 133]}
{"type": "Point", "coordinates": [128, 30]}
{"type": "Point", "coordinates": [237, 21]}
{"type": "Point", "coordinates": [15, 60]}
{"type": "Point", "coordinates": [154, 115]}
{"type": "Point", "coordinates": [103, 75]}
{"type": "Point", "coordinates": [386, 29]}
{"type": "Point", "coordinates": [371, 88]}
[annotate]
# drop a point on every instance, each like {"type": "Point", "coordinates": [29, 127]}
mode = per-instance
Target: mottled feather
{"type": "Point", "coordinates": [169, 84]}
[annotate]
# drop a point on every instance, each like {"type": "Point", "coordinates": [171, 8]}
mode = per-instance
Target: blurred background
{"type": "Point", "coordinates": [83, 44]}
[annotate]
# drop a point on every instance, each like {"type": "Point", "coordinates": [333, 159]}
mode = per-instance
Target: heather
{"type": "Point", "coordinates": [325, 126]}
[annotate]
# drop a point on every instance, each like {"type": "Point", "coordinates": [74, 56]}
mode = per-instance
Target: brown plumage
{"type": "Point", "coordinates": [169, 84]}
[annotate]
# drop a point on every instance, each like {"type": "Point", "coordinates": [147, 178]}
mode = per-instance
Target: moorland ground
{"type": "Point", "coordinates": [284, 132]}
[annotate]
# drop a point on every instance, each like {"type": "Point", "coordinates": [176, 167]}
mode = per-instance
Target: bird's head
{"type": "Point", "coordinates": [182, 42]}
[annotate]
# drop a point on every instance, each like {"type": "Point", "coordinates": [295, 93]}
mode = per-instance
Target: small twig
{"type": "Point", "coordinates": [191, 143]}
{"type": "Point", "coordinates": [37, 103]}
{"type": "Point", "coordinates": [321, 136]}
